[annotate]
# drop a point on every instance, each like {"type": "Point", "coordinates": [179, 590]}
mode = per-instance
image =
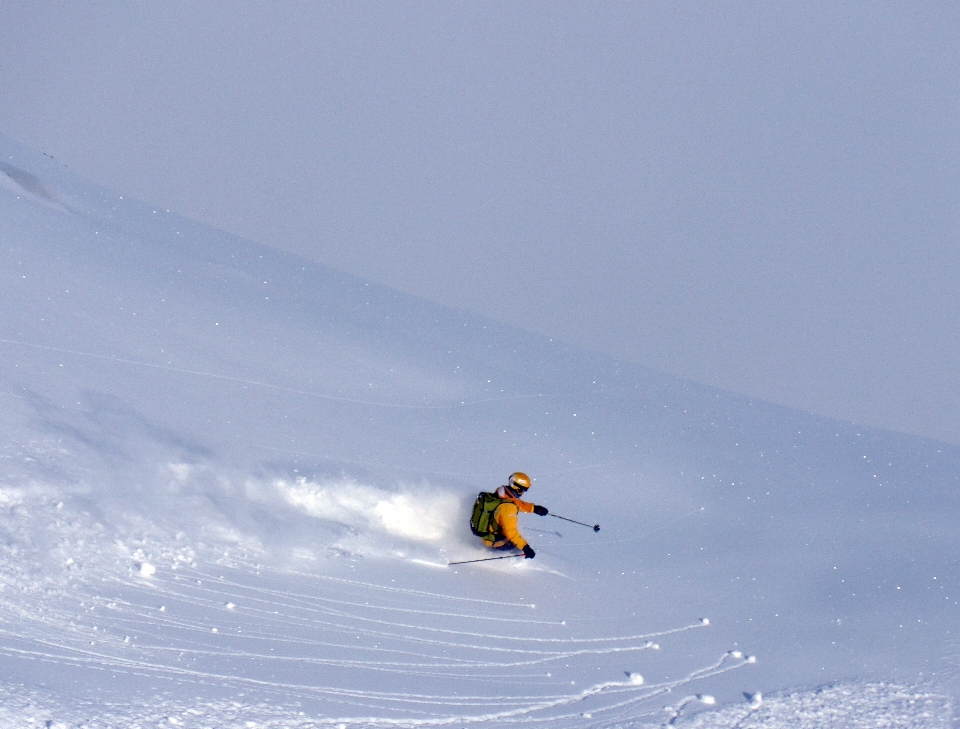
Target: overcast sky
{"type": "Point", "coordinates": [759, 196]}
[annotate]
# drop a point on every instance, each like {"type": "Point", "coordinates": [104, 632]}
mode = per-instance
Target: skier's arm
{"type": "Point", "coordinates": [528, 508]}
{"type": "Point", "coordinates": [525, 506]}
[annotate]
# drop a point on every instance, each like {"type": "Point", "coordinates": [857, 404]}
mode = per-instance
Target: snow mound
{"type": "Point", "coordinates": [22, 182]}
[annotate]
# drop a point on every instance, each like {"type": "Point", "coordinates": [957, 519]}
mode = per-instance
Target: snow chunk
{"type": "Point", "coordinates": [230, 606]}
{"type": "Point", "coordinates": [10, 498]}
{"type": "Point", "coordinates": [635, 678]}
{"type": "Point", "coordinates": [706, 699]}
{"type": "Point", "coordinates": [147, 569]}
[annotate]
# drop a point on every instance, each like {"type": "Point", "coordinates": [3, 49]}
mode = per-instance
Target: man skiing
{"type": "Point", "coordinates": [494, 517]}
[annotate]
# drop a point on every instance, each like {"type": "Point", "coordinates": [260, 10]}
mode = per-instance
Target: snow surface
{"type": "Point", "coordinates": [231, 482]}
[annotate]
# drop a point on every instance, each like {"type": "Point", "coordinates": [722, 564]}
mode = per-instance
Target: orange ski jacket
{"type": "Point", "coordinates": [505, 517]}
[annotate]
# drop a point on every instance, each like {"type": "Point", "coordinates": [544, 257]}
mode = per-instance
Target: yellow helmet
{"type": "Point", "coordinates": [518, 483]}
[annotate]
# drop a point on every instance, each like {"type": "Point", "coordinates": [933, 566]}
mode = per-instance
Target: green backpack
{"type": "Point", "coordinates": [481, 521]}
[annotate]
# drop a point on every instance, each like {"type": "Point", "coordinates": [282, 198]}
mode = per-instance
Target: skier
{"type": "Point", "coordinates": [494, 517]}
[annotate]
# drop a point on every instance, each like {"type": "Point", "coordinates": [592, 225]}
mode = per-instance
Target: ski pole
{"type": "Point", "coordinates": [485, 559]}
{"type": "Point", "coordinates": [595, 527]}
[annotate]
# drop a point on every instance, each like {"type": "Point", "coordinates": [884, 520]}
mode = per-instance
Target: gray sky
{"type": "Point", "coordinates": [760, 196]}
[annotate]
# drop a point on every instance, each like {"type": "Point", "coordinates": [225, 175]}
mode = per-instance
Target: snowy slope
{"type": "Point", "coordinates": [231, 481]}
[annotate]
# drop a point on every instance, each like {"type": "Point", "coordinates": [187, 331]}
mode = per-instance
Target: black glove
{"type": "Point", "coordinates": [528, 552]}
{"type": "Point", "coordinates": [540, 510]}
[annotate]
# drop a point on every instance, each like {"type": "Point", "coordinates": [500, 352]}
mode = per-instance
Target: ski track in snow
{"type": "Point", "coordinates": [854, 706]}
